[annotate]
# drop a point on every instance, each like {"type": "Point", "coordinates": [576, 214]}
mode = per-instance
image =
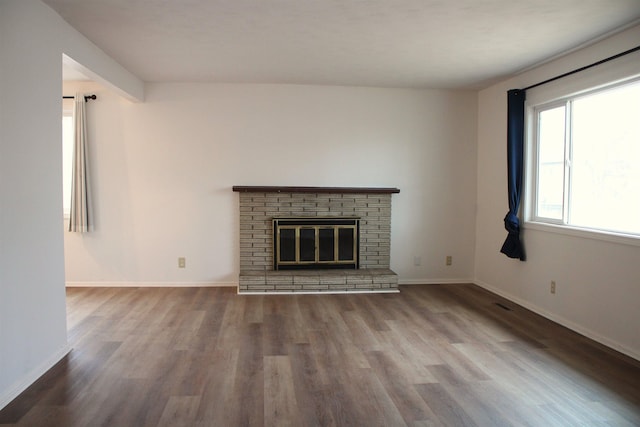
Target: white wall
{"type": "Point", "coordinates": [164, 170]}
{"type": "Point", "coordinates": [32, 297]}
{"type": "Point", "coordinates": [598, 282]}
{"type": "Point", "coordinates": [32, 307]}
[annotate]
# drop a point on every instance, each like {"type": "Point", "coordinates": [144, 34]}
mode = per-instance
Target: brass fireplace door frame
{"type": "Point", "coordinates": [316, 224]}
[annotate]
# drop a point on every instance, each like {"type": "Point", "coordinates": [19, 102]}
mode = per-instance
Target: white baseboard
{"type": "Point", "coordinates": [150, 284]}
{"type": "Point", "coordinates": [562, 321]}
{"type": "Point", "coordinates": [21, 385]}
{"type": "Point", "coordinates": [108, 284]}
{"type": "Point", "coordinates": [433, 281]}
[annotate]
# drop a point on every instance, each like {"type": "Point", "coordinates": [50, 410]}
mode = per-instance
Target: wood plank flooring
{"type": "Point", "coordinates": [436, 355]}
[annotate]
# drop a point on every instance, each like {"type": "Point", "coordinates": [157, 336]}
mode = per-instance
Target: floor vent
{"type": "Point", "coordinates": [504, 307]}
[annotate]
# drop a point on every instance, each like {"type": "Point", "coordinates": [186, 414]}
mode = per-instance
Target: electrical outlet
{"type": "Point", "coordinates": [182, 262]}
{"type": "Point", "coordinates": [417, 261]}
{"type": "Point", "coordinates": [449, 260]}
{"type": "Point", "coordinates": [552, 288]}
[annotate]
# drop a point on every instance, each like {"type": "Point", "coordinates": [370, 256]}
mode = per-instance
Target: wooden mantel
{"type": "Point", "coordinates": [324, 190]}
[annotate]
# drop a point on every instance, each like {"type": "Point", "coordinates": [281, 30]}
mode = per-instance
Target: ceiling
{"type": "Point", "coordinates": [466, 44]}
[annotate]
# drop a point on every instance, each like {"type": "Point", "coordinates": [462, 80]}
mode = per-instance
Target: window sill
{"type": "Point", "coordinates": [585, 233]}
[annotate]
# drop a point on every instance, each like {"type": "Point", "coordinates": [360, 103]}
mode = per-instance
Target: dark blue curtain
{"type": "Point", "coordinates": [512, 246]}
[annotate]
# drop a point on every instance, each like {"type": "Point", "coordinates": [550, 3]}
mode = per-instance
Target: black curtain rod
{"type": "Point", "coordinates": [86, 97]}
{"type": "Point", "coordinates": [577, 70]}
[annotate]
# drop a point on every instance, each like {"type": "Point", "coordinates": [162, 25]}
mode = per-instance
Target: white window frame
{"type": "Point", "coordinates": [536, 154]}
{"type": "Point", "coordinates": [547, 100]}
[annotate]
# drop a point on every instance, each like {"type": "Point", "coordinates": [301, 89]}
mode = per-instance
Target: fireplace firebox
{"type": "Point", "coordinates": [316, 243]}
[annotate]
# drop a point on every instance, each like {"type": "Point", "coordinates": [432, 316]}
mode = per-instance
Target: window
{"type": "Point", "coordinates": [586, 168]}
{"type": "Point", "coordinates": [67, 158]}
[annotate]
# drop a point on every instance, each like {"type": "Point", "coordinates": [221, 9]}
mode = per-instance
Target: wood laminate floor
{"type": "Point", "coordinates": [436, 355]}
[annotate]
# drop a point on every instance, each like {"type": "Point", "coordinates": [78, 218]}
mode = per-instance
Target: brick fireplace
{"type": "Point", "coordinates": [370, 207]}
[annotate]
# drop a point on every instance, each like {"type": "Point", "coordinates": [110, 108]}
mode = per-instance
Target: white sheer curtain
{"type": "Point", "coordinates": [80, 215]}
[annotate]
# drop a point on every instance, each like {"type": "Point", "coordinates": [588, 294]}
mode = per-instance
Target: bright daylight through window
{"type": "Point", "coordinates": [67, 158]}
{"type": "Point", "coordinates": [587, 168]}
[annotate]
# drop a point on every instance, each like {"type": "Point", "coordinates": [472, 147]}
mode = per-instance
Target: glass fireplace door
{"type": "Point", "coordinates": [315, 243]}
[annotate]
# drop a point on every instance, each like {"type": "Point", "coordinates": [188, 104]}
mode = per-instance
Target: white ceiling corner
{"type": "Point", "coordinates": [405, 43]}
